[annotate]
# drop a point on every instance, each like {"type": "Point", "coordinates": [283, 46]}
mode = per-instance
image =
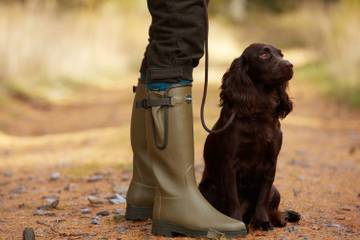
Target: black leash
{"type": "Point", "coordinates": [202, 108]}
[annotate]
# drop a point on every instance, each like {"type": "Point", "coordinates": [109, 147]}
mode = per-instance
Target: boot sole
{"type": "Point", "coordinates": [138, 213]}
{"type": "Point", "coordinates": [163, 228]}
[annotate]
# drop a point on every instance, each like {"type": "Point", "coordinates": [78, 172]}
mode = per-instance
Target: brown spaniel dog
{"type": "Point", "coordinates": [240, 162]}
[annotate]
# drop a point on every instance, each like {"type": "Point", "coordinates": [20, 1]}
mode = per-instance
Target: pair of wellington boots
{"type": "Point", "coordinates": [163, 186]}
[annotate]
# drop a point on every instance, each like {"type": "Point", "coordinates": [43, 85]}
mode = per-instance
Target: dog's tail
{"type": "Point", "coordinates": [291, 216]}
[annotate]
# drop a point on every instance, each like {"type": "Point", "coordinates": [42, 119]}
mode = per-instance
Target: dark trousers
{"type": "Point", "coordinates": [176, 40]}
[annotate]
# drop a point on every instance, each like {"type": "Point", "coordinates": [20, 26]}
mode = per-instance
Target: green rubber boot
{"type": "Point", "coordinates": [140, 195]}
{"type": "Point", "coordinates": [179, 207]}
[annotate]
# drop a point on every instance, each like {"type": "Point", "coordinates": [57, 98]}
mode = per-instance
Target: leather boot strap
{"type": "Point", "coordinates": [166, 101]}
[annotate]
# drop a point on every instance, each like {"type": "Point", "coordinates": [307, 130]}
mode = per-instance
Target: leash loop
{"type": "Point", "coordinates": [203, 100]}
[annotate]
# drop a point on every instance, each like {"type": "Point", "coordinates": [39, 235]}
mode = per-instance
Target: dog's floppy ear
{"type": "Point", "coordinates": [237, 90]}
{"type": "Point", "coordinates": [285, 105]}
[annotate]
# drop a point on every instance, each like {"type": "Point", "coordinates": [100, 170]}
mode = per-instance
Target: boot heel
{"type": "Point", "coordinates": [138, 213]}
{"type": "Point", "coordinates": [163, 228]}
{"type": "Point", "coordinates": [160, 229]}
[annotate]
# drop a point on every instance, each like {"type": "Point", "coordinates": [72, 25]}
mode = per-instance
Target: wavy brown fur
{"type": "Point", "coordinates": [240, 163]}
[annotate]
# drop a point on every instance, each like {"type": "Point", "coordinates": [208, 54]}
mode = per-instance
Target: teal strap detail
{"type": "Point", "coordinates": [162, 86]}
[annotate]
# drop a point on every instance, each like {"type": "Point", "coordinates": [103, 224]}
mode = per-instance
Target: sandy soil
{"type": "Point", "coordinates": [318, 170]}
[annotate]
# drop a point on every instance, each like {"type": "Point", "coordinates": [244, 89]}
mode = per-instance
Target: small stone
{"type": "Point", "coordinates": [347, 209]}
{"type": "Point", "coordinates": [301, 178]}
{"type": "Point", "coordinates": [352, 150]}
{"type": "Point", "coordinates": [55, 176]}
{"type": "Point", "coordinates": [52, 203]}
{"type": "Point", "coordinates": [95, 221]}
{"type": "Point", "coordinates": [117, 211]}
{"type": "Point", "coordinates": [95, 178]}
{"type": "Point", "coordinates": [121, 229]}
{"type": "Point", "coordinates": [69, 187]}
{"type": "Point", "coordinates": [296, 192]}
{"type": "Point", "coordinates": [7, 174]}
{"type": "Point", "coordinates": [333, 225]}
{"type": "Point", "coordinates": [291, 229]}
{"type": "Point", "coordinates": [39, 212]}
{"type": "Point", "coordinates": [125, 178]}
{"type": "Point", "coordinates": [118, 218]}
{"type": "Point", "coordinates": [21, 205]}
{"type": "Point", "coordinates": [119, 189]}
{"type": "Point", "coordinates": [116, 199]}
{"type": "Point", "coordinates": [85, 211]}
{"type": "Point", "coordinates": [214, 234]}
{"type": "Point", "coordinates": [300, 152]}
{"type": "Point", "coordinates": [28, 234]}
{"type": "Point", "coordinates": [19, 190]}
{"type": "Point", "coordinates": [42, 212]}
{"type": "Point", "coordinates": [340, 218]}
{"type": "Point", "coordinates": [315, 227]}
{"type": "Point", "coordinates": [95, 200]}
{"type": "Point", "coordinates": [49, 197]}
{"type": "Point", "coordinates": [103, 213]}
{"type": "Point", "coordinates": [303, 238]}
{"type": "Point", "coordinates": [300, 163]}
{"type": "Point", "coordinates": [60, 220]}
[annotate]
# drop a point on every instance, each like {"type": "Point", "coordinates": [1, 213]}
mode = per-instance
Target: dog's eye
{"type": "Point", "coordinates": [265, 56]}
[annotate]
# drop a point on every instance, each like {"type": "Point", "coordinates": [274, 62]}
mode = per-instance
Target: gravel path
{"type": "Point", "coordinates": [62, 184]}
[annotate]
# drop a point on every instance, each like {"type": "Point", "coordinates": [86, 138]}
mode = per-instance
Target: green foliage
{"type": "Point", "coordinates": [317, 74]}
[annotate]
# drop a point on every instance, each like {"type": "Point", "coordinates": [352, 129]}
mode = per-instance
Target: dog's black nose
{"type": "Point", "coordinates": [289, 64]}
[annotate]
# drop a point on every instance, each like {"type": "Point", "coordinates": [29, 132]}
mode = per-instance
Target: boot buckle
{"type": "Point", "coordinates": [149, 103]}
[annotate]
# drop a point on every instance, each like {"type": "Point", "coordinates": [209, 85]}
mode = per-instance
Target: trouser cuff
{"type": "Point", "coordinates": [171, 74]}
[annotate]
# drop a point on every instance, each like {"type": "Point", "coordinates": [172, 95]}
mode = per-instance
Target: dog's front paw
{"type": "Point", "coordinates": [261, 220]}
{"type": "Point", "coordinates": [262, 225]}
{"type": "Point", "coordinates": [279, 222]}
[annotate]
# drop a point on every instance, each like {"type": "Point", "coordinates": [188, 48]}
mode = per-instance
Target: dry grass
{"type": "Point", "coordinates": [46, 52]}
{"type": "Point", "coordinates": [50, 53]}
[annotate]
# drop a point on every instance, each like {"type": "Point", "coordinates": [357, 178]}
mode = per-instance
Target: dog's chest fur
{"type": "Point", "coordinates": [256, 138]}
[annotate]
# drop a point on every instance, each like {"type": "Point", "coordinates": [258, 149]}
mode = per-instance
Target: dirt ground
{"type": "Point", "coordinates": [81, 148]}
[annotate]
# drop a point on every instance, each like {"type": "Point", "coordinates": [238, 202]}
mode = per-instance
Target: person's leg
{"type": "Point", "coordinates": [175, 47]}
{"type": "Point", "coordinates": [176, 37]}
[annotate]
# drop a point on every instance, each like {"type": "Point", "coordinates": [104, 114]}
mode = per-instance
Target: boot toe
{"type": "Point", "coordinates": [232, 226]}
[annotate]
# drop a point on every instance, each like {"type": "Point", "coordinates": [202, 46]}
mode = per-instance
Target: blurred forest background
{"type": "Point", "coordinates": [50, 49]}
